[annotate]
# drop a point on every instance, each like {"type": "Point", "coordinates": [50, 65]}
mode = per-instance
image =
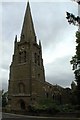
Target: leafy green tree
{"type": "Point", "coordinates": [72, 19]}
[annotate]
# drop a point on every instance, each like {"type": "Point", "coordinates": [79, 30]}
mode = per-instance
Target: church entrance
{"type": "Point", "coordinates": [22, 104]}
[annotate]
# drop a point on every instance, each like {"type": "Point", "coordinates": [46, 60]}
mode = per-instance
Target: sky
{"type": "Point", "coordinates": [56, 35]}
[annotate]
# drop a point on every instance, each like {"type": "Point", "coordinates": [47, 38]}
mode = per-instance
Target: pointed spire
{"type": "Point", "coordinates": [28, 28]}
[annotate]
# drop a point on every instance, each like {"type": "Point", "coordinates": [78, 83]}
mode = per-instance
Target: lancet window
{"type": "Point", "coordinates": [22, 56]}
{"type": "Point", "coordinates": [37, 59]}
{"type": "Point", "coordinates": [21, 88]}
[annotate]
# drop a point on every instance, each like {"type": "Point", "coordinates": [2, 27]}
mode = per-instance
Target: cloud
{"type": "Point", "coordinates": [56, 35]}
{"type": "Point", "coordinates": [4, 86]}
{"type": "Point", "coordinates": [4, 79]}
{"type": "Point", "coordinates": [51, 25]}
{"type": "Point", "coordinates": [12, 17]}
{"type": "Point", "coordinates": [60, 72]}
{"type": "Point", "coordinates": [37, 1]}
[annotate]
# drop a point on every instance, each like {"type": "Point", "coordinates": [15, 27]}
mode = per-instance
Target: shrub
{"type": "Point", "coordinates": [44, 106]}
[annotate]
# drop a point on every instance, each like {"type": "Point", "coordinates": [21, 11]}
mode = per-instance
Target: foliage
{"type": "Point", "coordinates": [4, 99]}
{"type": "Point", "coordinates": [48, 106]}
{"type": "Point", "coordinates": [74, 100]}
{"type": "Point", "coordinates": [44, 106]}
{"type": "Point", "coordinates": [67, 108]}
{"type": "Point", "coordinates": [76, 65]}
{"type": "Point", "coordinates": [72, 19]}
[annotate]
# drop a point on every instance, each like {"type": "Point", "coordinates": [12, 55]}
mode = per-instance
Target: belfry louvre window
{"type": "Point", "coordinates": [22, 57]}
{"type": "Point", "coordinates": [38, 60]}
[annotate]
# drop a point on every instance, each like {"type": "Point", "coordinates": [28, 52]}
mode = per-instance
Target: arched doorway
{"type": "Point", "coordinates": [22, 104]}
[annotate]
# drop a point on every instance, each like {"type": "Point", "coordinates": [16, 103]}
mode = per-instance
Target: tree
{"type": "Point", "coordinates": [75, 20]}
{"type": "Point", "coordinates": [4, 99]}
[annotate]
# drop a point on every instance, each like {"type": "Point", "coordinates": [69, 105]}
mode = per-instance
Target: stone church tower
{"type": "Point", "coordinates": [27, 78]}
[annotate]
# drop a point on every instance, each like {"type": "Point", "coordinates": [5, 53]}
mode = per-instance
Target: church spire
{"type": "Point", "coordinates": [28, 31]}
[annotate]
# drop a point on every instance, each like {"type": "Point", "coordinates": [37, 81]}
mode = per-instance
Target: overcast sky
{"type": "Point", "coordinates": [56, 35]}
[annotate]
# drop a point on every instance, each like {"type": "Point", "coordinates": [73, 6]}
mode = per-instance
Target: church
{"type": "Point", "coordinates": [27, 76]}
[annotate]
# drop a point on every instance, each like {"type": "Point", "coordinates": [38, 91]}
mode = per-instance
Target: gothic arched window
{"type": "Point", "coordinates": [35, 57]}
{"type": "Point", "coordinates": [22, 56]}
{"type": "Point", "coordinates": [38, 60]}
{"type": "Point", "coordinates": [21, 88]}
